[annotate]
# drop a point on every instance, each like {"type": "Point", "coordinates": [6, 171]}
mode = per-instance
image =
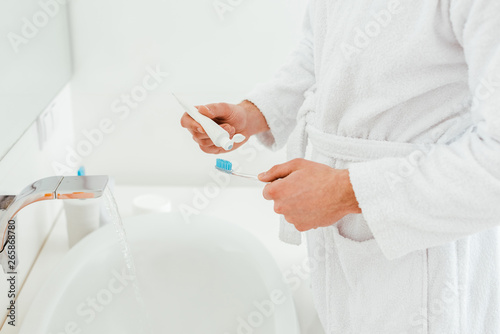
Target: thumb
{"type": "Point", "coordinates": [221, 111]}
{"type": "Point", "coordinates": [279, 171]}
{"type": "Point", "coordinates": [205, 111]}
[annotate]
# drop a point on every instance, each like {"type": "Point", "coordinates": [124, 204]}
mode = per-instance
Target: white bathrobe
{"type": "Point", "coordinates": [406, 95]}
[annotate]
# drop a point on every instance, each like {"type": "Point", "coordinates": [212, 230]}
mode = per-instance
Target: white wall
{"type": "Point", "coordinates": [209, 60]}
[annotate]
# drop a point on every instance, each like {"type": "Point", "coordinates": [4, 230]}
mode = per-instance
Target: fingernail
{"type": "Point", "coordinates": [200, 130]}
{"type": "Point", "coordinates": [209, 112]}
{"type": "Point", "coordinates": [261, 175]}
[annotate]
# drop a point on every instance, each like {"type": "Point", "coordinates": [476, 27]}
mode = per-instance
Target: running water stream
{"type": "Point", "coordinates": [115, 218]}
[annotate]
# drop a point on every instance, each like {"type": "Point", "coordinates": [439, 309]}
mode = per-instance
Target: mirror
{"type": "Point", "coordinates": [35, 62]}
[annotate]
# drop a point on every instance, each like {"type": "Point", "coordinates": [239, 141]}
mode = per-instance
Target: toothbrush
{"type": "Point", "coordinates": [219, 136]}
{"type": "Point", "coordinates": [227, 167]}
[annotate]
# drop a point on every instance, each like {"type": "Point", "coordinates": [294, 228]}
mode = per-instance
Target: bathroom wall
{"type": "Point", "coordinates": [205, 50]}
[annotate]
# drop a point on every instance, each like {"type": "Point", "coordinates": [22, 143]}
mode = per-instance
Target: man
{"type": "Point", "coordinates": [401, 199]}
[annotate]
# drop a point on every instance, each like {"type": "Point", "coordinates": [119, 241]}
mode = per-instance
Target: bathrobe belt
{"type": "Point", "coordinates": [335, 147]}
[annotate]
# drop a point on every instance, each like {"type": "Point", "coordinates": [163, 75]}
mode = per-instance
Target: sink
{"type": "Point", "coordinates": [205, 276]}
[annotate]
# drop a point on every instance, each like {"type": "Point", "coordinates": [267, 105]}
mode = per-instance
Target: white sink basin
{"type": "Point", "coordinates": [208, 276]}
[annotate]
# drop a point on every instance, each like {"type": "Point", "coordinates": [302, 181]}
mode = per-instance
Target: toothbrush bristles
{"type": "Point", "coordinates": [224, 165]}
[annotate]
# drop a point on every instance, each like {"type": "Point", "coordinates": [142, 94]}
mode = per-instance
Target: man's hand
{"type": "Point", "coordinates": [244, 118]}
{"type": "Point", "coordinates": [310, 194]}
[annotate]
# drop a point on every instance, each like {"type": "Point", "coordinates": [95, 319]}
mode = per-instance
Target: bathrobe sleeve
{"type": "Point", "coordinates": [280, 99]}
{"type": "Point", "coordinates": [452, 191]}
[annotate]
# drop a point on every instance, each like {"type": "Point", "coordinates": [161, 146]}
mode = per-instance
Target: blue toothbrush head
{"type": "Point", "coordinates": [224, 165]}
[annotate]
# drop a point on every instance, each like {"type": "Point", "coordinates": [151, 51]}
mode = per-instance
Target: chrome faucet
{"type": "Point", "coordinates": [55, 187]}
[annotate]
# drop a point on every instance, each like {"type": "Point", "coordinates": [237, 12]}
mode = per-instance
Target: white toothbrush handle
{"type": "Point", "coordinates": [232, 172]}
{"type": "Point", "coordinates": [248, 176]}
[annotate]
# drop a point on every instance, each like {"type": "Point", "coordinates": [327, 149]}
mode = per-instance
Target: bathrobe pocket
{"type": "Point", "coordinates": [379, 295]}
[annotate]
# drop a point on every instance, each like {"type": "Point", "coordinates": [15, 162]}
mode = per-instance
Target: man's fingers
{"type": "Point", "coordinates": [268, 192]}
{"type": "Point", "coordinates": [203, 141]}
{"type": "Point", "coordinates": [196, 133]}
{"type": "Point", "coordinates": [280, 171]}
{"type": "Point", "coordinates": [189, 123]}
{"type": "Point", "coordinates": [271, 190]}
{"type": "Point", "coordinates": [212, 149]}
{"type": "Point", "coordinates": [230, 129]}
{"type": "Point", "coordinates": [216, 111]}
{"type": "Point", "coordinates": [219, 112]}
{"type": "Point", "coordinates": [206, 111]}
